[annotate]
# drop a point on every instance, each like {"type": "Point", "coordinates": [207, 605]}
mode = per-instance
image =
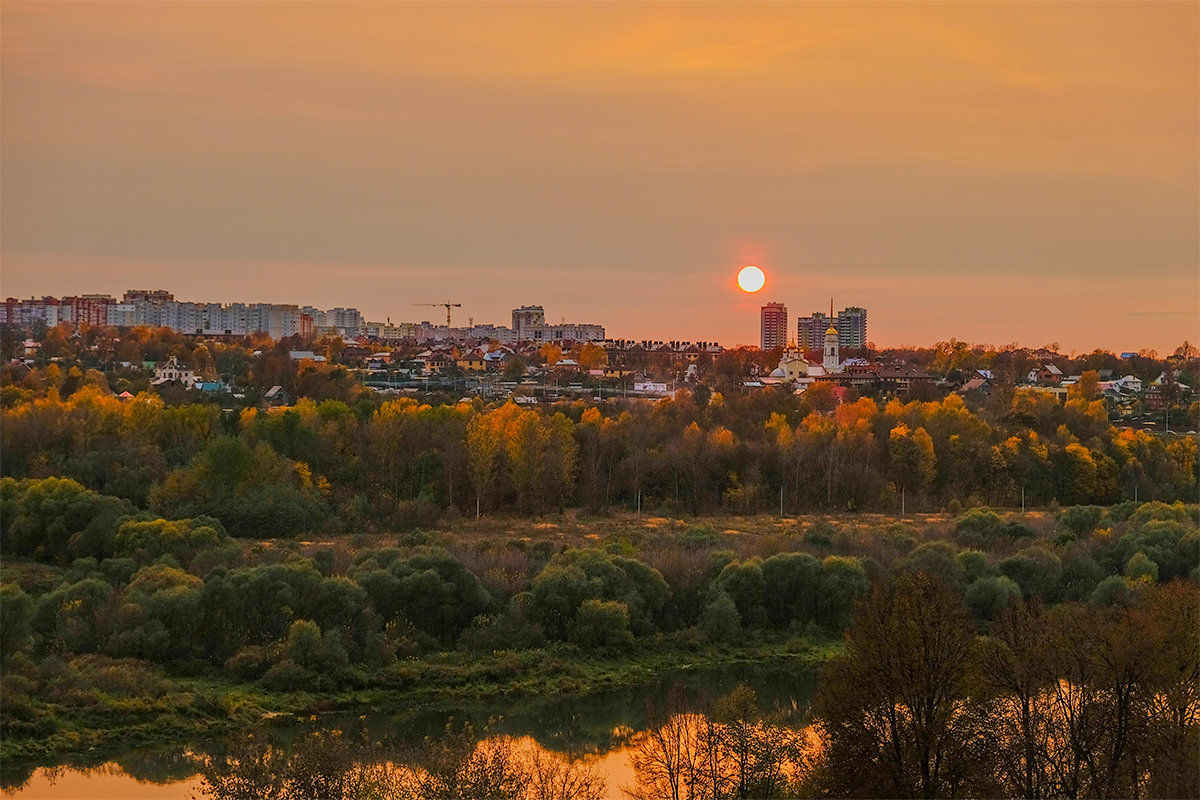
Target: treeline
{"type": "Point", "coordinates": [186, 596]}
{"type": "Point", "coordinates": [330, 466]}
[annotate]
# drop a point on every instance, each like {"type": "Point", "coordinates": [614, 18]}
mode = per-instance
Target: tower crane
{"type": "Point", "coordinates": [447, 306]}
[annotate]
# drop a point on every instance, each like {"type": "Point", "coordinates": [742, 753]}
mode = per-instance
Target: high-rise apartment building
{"type": "Point", "coordinates": [810, 331]}
{"type": "Point", "coordinates": [774, 326]}
{"type": "Point", "coordinates": [525, 319]}
{"type": "Point", "coordinates": [851, 325]}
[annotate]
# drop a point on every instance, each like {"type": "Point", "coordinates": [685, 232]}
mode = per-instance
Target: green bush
{"type": "Point", "coordinates": [791, 584]}
{"type": "Point", "coordinates": [149, 540]}
{"type": "Point", "coordinates": [575, 575]}
{"type": "Point", "coordinates": [987, 597]}
{"type": "Point", "coordinates": [720, 621]}
{"type": "Point", "coordinates": [250, 663]}
{"type": "Point", "coordinates": [1036, 570]}
{"type": "Point", "coordinates": [1080, 574]}
{"type": "Point", "coordinates": [743, 582]}
{"type": "Point", "coordinates": [1160, 511]}
{"type": "Point", "coordinates": [1014, 530]}
{"type": "Point", "coordinates": [287, 676]}
{"type": "Point", "coordinates": [431, 589]}
{"type": "Point", "coordinates": [1080, 520]}
{"type": "Point", "coordinates": [1140, 567]}
{"type": "Point", "coordinates": [976, 564]}
{"type": "Point", "coordinates": [16, 618]}
{"type": "Point", "coordinates": [937, 559]}
{"type": "Point", "coordinates": [843, 583]}
{"type": "Point", "coordinates": [601, 624]}
{"type": "Point", "coordinates": [978, 523]}
{"type": "Point", "coordinates": [57, 519]}
{"type": "Point", "coordinates": [1113, 590]}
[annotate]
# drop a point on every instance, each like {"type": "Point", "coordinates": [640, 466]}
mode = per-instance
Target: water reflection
{"type": "Point", "coordinates": [596, 731]}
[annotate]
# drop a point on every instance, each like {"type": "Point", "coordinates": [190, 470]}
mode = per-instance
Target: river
{"type": "Point", "coordinates": [594, 729]}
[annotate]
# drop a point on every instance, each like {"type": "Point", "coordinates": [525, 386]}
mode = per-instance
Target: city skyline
{"type": "Point", "coordinates": [994, 173]}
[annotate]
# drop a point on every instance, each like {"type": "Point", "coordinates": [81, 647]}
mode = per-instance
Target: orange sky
{"type": "Point", "coordinates": [994, 172]}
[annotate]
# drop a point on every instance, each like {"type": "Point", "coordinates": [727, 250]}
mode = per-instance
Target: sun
{"type": "Point", "coordinates": [751, 279]}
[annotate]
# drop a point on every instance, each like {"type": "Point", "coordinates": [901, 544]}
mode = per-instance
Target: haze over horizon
{"type": "Point", "coordinates": [991, 172]}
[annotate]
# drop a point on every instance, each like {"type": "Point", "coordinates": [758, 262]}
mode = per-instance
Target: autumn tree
{"type": "Point", "coordinates": [485, 441]}
{"type": "Point", "coordinates": [894, 707]}
{"type": "Point", "coordinates": [1016, 668]}
{"type": "Point", "coordinates": [913, 459]}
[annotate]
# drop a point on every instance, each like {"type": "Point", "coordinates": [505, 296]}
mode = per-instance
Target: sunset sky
{"type": "Point", "coordinates": [994, 172]}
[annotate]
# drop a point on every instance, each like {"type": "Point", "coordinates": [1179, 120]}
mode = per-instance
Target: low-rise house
{"type": "Point", "coordinates": [171, 372]}
{"type": "Point", "coordinates": [277, 397]}
{"type": "Point", "coordinates": [496, 359]}
{"type": "Point", "coordinates": [1128, 383]}
{"type": "Point", "coordinates": [438, 361]}
{"type": "Point", "coordinates": [902, 379]}
{"type": "Point", "coordinates": [977, 385]}
{"type": "Point", "coordinates": [473, 360]}
{"type": "Point", "coordinates": [1046, 375]}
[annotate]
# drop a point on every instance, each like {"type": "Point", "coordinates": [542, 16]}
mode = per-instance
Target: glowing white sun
{"type": "Point", "coordinates": [751, 279]}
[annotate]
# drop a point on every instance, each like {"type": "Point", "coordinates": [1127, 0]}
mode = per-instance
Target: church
{"type": "Point", "coordinates": [794, 367]}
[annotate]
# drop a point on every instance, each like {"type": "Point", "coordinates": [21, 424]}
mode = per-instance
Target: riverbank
{"type": "Point", "coordinates": [108, 715]}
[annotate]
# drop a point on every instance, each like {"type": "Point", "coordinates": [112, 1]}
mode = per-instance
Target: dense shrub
{"type": "Point", "coordinates": [429, 589]}
{"type": "Point", "coordinates": [57, 519]}
{"type": "Point", "coordinates": [1080, 520]}
{"type": "Point", "coordinates": [720, 621]}
{"type": "Point", "coordinates": [573, 576]}
{"type": "Point", "coordinates": [978, 524]}
{"type": "Point", "coordinates": [148, 540]}
{"type": "Point", "coordinates": [601, 624]}
{"type": "Point", "coordinates": [987, 597]}
{"type": "Point", "coordinates": [1036, 570]}
{"type": "Point", "coordinates": [937, 559]}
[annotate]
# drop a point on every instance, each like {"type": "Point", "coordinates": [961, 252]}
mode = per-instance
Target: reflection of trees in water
{"type": "Point", "coordinates": [575, 726]}
{"type": "Point", "coordinates": [159, 765]}
{"type": "Point", "coordinates": [593, 723]}
{"type": "Point", "coordinates": [461, 762]}
{"type": "Point", "coordinates": [165, 765]}
{"type": "Point", "coordinates": [730, 748]}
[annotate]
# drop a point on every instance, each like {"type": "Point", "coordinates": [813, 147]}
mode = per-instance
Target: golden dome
{"type": "Point", "coordinates": [832, 330]}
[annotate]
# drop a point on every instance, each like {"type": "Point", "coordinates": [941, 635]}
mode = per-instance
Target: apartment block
{"type": "Point", "coordinates": [850, 323]}
{"type": "Point", "coordinates": [774, 326]}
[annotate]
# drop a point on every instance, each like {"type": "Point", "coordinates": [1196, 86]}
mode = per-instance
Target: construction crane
{"type": "Point", "coordinates": [447, 306]}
